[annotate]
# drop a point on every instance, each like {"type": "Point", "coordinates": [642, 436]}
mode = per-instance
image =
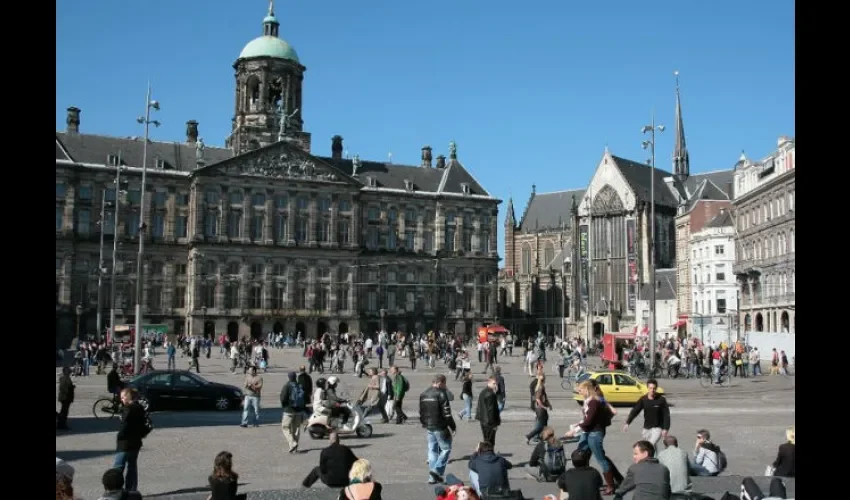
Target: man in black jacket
{"type": "Point", "coordinates": [129, 438]}
{"type": "Point", "coordinates": [656, 414]}
{"type": "Point", "coordinates": [488, 411]}
{"type": "Point", "coordinates": [435, 415]}
{"type": "Point", "coordinates": [65, 398]}
{"type": "Point", "coordinates": [306, 382]}
{"type": "Point", "coordinates": [334, 463]}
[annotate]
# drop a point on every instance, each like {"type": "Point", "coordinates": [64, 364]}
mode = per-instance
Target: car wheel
{"type": "Point", "coordinates": [145, 403]}
{"type": "Point", "coordinates": [222, 403]}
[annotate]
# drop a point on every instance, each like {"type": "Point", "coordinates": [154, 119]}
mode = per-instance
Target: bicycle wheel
{"type": "Point", "coordinates": [704, 380]}
{"type": "Point", "coordinates": [104, 408]}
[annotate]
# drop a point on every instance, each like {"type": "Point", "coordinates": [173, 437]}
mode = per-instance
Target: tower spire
{"type": "Point", "coordinates": [270, 25]}
{"type": "Point", "coordinates": [681, 161]}
{"type": "Point", "coordinates": [510, 220]}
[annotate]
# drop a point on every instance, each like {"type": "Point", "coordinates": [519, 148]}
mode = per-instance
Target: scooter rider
{"type": "Point", "coordinates": [335, 403]}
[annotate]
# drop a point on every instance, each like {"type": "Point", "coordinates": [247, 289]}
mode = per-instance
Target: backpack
{"type": "Point", "coordinates": [555, 461]}
{"type": "Point", "coordinates": [147, 426]}
{"type": "Point", "coordinates": [405, 384]}
{"type": "Point", "coordinates": [721, 461]}
{"type": "Point", "coordinates": [296, 396]}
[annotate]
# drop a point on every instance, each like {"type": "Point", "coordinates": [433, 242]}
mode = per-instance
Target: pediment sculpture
{"type": "Point", "coordinates": [282, 165]}
{"type": "Point", "coordinates": [607, 201]}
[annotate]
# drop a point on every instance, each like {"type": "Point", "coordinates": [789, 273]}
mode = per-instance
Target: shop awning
{"type": "Point", "coordinates": [679, 323]}
{"type": "Point", "coordinates": [496, 329]}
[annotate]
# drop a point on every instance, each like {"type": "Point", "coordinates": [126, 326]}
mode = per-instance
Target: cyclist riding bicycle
{"type": "Point", "coordinates": [114, 383]}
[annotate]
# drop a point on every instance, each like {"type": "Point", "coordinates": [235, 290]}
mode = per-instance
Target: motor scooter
{"type": "Point", "coordinates": [320, 423]}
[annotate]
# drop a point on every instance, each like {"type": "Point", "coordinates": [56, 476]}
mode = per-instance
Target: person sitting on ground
{"type": "Point", "coordinates": [582, 482]}
{"type": "Point", "coordinates": [113, 487]}
{"type": "Point", "coordinates": [548, 457]}
{"type": "Point", "coordinates": [488, 472]}
{"type": "Point", "coordinates": [223, 480]}
{"type": "Point", "coordinates": [646, 477]}
{"type": "Point", "coordinates": [676, 461]}
{"type": "Point", "coordinates": [783, 466]}
{"type": "Point", "coordinates": [335, 462]}
{"type": "Point", "coordinates": [706, 461]}
{"type": "Point", "coordinates": [361, 486]}
{"type": "Point", "coordinates": [64, 480]}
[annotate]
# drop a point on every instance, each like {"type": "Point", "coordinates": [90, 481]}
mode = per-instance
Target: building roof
{"type": "Point", "coordinates": [641, 177]}
{"type": "Point", "coordinates": [723, 219]}
{"type": "Point", "coordinates": [269, 46]}
{"type": "Point", "coordinates": [88, 148]}
{"type": "Point", "coordinates": [666, 290]}
{"type": "Point", "coordinates": [549, 211]}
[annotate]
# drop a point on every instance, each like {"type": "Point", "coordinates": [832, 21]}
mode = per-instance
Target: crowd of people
{"type": "Point", "coordinates": [660, 466]}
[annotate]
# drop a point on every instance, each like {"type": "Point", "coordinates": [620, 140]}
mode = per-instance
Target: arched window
{"type": "Point", "coordinates": [792, 240]}
{"type": "Point", "coordinates": [526, 259]}
{"type": "Point", "coordinates": [548, 254]}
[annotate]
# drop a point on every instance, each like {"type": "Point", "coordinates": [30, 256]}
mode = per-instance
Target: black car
{"type": "Point", "coordinates": [182, 390]}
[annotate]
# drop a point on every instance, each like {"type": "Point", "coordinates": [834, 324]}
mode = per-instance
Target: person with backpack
{"type": "Point", "coordinates": [293, 400]}
{"type": "Point", "coordinates": [548, 458]}
{"type": "Point", "coordinates": [708, 459]}
{"type": "Point", "coordinates": [400, 388]}
{"type": "Point", "coordinates": [135, 426]}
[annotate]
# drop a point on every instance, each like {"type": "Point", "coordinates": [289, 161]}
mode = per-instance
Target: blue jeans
{"type": "Point", "coordinates": [467, 409]}
{"type": "Point", "coordinates": [593, 440]}
{"type": "Point", "coordinates": [251, 401]}
{"type": "Point", "coordinates": [501, 404]}
{"type": "Point", "coordinates": [696, 469]}
{"type": "Point", "coordinates": [539, 423]}
{"type": "Point", "coordinates": [439, 449]}
{"type": "Point", "coordinates": [130, 459]}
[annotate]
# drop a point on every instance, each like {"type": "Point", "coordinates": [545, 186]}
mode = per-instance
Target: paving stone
{"type": "Point", "coordinates": [747, 420]}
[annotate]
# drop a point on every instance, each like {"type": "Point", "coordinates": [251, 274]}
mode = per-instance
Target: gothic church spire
{"type": "Point", "coordinates": [681, 161]}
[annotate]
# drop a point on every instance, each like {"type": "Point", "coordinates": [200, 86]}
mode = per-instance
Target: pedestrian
{"type": "Point", "coordinates": [134, 428]}
{"type": "Point", "coordinates": [501, 390]}
{"type": "Point", "coordinates": [466, 396]}
{"type": "Point", "coordinates": [253, 388]}
{"type": "Point", "coordinates": [196, 353]}
{"type": "Point", "coordinates": [656, 414]}
{"type": "Point", "coordinates": [65, 398]}
{"type": "Point", "coordinates": [385, 393]}
{"type": "Point", "coordinates": [540, 405]}
{"type": "Point", "coordinates": [597, 416]}
{"type": "Point", "coordinates": [293, 400]}
{"type": "Point", "coordinates": [488, 411]}
{"type": "Point", "coordinates": [400, 388]}
{"type": "Point", "coordinates": [380, 353]}
{"type": "Point", "coordinates": [170, 351]}
{"type": "Point", "coordinates": [435, 415]}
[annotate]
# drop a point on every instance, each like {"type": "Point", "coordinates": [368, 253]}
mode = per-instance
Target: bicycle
{"type": "Point", "coordinates": [707, 379]}
{"type": "Point", "coordinates": [106, 408]}
{"type": "Point", "coordinates": [572, 375]}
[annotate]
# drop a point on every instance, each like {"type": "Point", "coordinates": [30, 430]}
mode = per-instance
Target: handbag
{"type": "Point", "coordinates": [769, 470]}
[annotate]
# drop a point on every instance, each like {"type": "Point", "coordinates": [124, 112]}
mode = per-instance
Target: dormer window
{"type": "Point", "coordinates": [160, 163]}
{"type": "Point", "coordinates": [464, 186]}
{"type": "Point", "coordinates": [370, 181]}
{"type": "Point", "coordinates": [408, 185]}
{"type": "Point", "coordinates": [113, 160]}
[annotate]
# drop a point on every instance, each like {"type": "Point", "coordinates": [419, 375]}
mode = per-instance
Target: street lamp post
{"type": "Point", "coordinates": [650, 143]}
{"type": "Point", "coordinates": [147, 122]}
{"type": "Point", "coordinates": [117, 208]}
{"type": "Point", "coordinates": [383, 320]}
{"type": "Point", "coordinates": [100, 267]}
{"type": "Point", "coordinates": [79, 311]}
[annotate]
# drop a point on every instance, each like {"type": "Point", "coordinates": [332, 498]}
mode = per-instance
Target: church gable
{"type": "Point", "coordinates": [279, 161]}
{"type": "Point", "coordinates": [608, 191]}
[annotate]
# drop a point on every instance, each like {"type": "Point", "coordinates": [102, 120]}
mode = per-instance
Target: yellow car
{"type": "Point", "coordinates": [619, 388]}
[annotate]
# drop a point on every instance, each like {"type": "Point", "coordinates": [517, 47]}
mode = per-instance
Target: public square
{"type": "Point", "coordinates": [747, 421]}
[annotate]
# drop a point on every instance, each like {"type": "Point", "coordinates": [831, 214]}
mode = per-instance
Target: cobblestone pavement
{"type": "Point", "coordinates": [747, 420]}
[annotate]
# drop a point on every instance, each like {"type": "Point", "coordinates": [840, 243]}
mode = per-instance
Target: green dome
{"type": "Point", "coordinates": [269, 46]}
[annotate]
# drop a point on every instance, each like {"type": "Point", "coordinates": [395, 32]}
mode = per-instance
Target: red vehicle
{"type": "Point", "coordinates": [490, 332]}
{"type": "Point", "coordinates": [613, 345]}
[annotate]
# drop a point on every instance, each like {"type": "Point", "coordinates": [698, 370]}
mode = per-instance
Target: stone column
{"type": "Point", "coordinates": [494, 232]}
{"type": "Point", "coordinates": [247, 212]}
{"type": "Point", "coordinates": [268, 285]}
{"type": "Point", "coordinates": [333, 237]}
{"type": "Point", "coordinates": [356, 216]}
{"type": "Point", "coordinates": [419, 239]}
{"type": "Point", "coordinates": [196, 214]}
{"type": "Point", "coordinates": [292, 216]}
{"type": "Point", "coordinates": [334, 292]}
{"type": "Point", "coordinates": [311, 287]}
{"type": "Point", "coordinates": [243, 286]}
{"type": "Point", "coordinates": [70, 202]}
{"type": "Point", "coordinates": [353, 298]}
{"type": "Point", "coordinates": [224, 206]}
{"type": "Point", "coordinates": [314, 221]}
{"type": "Point", "coordinates": [439, 228]}
{"type": "Point", "coordinates": [268, 229]}
{"type": "Point", "coordinates": [289, 299]}
{"type": "Point", "coordinates": [170, 215]}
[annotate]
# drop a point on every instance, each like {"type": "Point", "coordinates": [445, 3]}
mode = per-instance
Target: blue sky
{"type": "Point", "coordinates": [532, 93]}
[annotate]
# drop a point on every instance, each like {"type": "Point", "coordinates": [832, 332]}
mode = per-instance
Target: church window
{"type": "Point", "coordinates": [526, 259]}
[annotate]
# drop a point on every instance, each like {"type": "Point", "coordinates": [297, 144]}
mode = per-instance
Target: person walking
{"type": "Point", "coordinates": [597, 416]}
{"type": "Point", "coordinates": [540, 405]}
{"type": "Point", "coordinates": [400, 388]}
{"type": "Point", "coordinates": [293, 400]}
{"type": "Point", "coordinates": [65, 398]}
{"type": "Point", "coordinates": [196, 353]}
{"type": "Point", "coordinates": [466, 396]}
{"type": "Point", "coordinates": [435, 415]}
{"type": "Point", "coordinates": [133, 430]}
{"type": "Point", "coordinates": [253, 388]}
{"type": "Point", "coordinates": [488, 411]}
{"type": "Point", "coordinates": [501, 390]}
{"type": "Point", "coordinates": [171, 351]}
{"type": "Point", "coordinates": [656, 414]}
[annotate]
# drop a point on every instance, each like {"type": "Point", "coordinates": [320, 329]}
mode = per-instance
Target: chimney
{"type": "Point", "coordinates": [191, 131]}
{"type": "Point", "coordinates": [336, 147]}
{"type": "Point", "coordinates": [73, 120]}
{"type": "Point", "coordinates": [426, 157]}
{"type": "Point", "coordinates": [441, 161]}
